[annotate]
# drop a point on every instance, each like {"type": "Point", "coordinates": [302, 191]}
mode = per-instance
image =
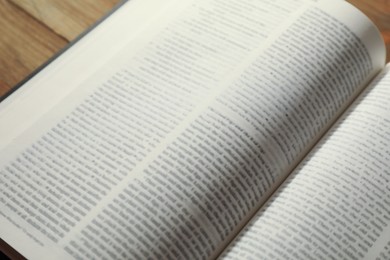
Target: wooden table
{"type": "Point", "coordinates": [33, 30]}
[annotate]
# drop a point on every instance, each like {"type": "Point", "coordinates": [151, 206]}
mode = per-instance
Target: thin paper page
{"type": "Point", "coordinates": [221, 165]}
{"type": "Point", "coordinates": [132, 27]}
{"type": "Point", "coordinates": [109, 163]}
{"type": "Point", "coordinates": [78, 152]}
{"type": "Point", "coordinates": [337, 203]}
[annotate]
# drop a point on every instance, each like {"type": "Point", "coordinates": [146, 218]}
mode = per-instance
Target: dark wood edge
{"type": "Point", "coordinates": [10, 252]}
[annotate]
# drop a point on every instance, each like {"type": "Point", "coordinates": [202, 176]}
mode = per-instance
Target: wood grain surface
{"type": "Point", "coordinates": [31, 31]}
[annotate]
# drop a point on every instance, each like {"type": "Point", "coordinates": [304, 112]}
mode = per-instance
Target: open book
{"type": "Point", "coordinates": [203, 129]}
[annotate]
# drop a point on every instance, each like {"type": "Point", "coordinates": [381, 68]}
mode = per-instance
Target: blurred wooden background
{"type": "Point", "coordinates": [31, 31]}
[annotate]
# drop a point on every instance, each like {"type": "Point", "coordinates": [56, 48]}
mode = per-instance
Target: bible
{"type": "Point", "coordinates": [200, 130]}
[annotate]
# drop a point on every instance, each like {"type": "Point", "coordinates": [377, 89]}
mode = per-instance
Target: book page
{"type": "Point", "coordinates": [235, 30]}
{"type": "Point", "coordinates": [168, 149]}
{"type": "Point", "coordinates": [336, 205]}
